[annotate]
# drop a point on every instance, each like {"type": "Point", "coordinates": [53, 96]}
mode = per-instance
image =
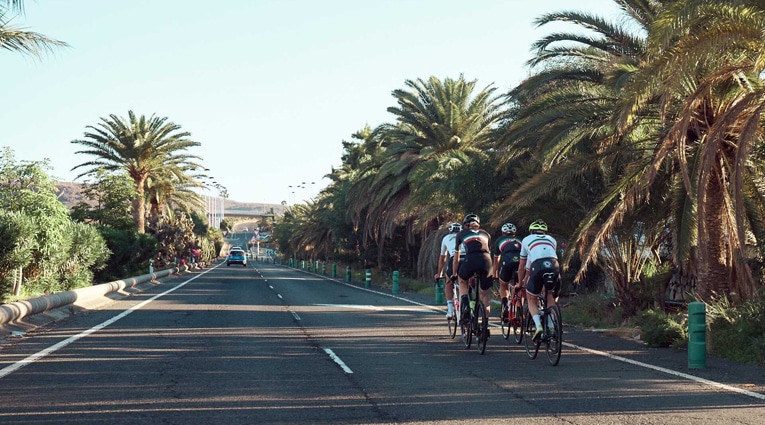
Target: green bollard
{"type": "Point", "coordinates": [302, 264]}
{"type": "Point", "coordinates": [323, 269]}
{"type": "Point", "coordinates": [348, 274]}
{"type": "Point", "coordinates": [697, 336]}
{"type": "Point", "coordinates": [334, 270]}
{"type": "Point", "coordinates": [395, 281]}
{"type": "Point", "coordinates": [368, 278]}
{"type": "Point", "coordinates": [440, 291]}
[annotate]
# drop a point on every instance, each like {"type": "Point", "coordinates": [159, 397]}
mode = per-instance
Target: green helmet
{"type": "Point", "coordinates": [538, 225]}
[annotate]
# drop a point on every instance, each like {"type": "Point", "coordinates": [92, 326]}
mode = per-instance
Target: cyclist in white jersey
{"type": "Point", "coordinates": [445, 260]}
{"type": "Point", "coordinates": [539, 258]}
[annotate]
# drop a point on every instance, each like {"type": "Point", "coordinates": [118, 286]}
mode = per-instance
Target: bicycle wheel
{"type": "Point", "coordinates": [467, 332]}
{"type": "Point", "coordinates": [505, 325]}
{"type": "Point", "coordinates": [517, 324]}
{"type": "Point", "coordinates": [554, 339]}
{"type": "Point", "coordinates": [482, 327]}
{"type": "Point", "coordinates": [453, 325]}
{"type": "Point", "coordinates": [532, 348]}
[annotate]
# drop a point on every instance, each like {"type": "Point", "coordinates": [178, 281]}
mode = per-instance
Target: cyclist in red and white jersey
{"type": "Point", "coordinates": [448, 248]}
{"type": "Point", "coordinates": [539, 258]}
{"type": "Point", "coordinates": [477, 249]}
{"type": "Point", "coordinates": [507, 257]}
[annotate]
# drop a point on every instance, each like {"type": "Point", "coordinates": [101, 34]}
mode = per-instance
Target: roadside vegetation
{"type": "Point", "coordinates": [638, 140]}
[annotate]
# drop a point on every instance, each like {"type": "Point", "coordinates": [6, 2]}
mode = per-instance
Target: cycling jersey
{"type": "Point", "coordinates": [509, 248]}
{"type": "Point", "coordinates": [448, 248]}
{"type": "Point", "coordinates": [473, 241]}
{"type": "Point", "coordinates": [536, 246]}
{"type": "Point", "coordinates": [448, 245]}
{"type": "Point", "coordinates": [476, 245]}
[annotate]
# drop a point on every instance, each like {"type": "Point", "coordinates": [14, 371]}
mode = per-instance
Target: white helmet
{"type": "Point", "coordinates": [455, 227]}
{"type": "Point", "coordinates": [508, 228]}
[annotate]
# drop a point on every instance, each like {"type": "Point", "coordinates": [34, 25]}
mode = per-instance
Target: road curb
{"type": "Point", "coordinates": [21, 316]}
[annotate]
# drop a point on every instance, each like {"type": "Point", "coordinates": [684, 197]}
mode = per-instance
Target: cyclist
{"type": "Point", "coordinates": [476, 243]}
{"type": "Point", "coordinates": [445, 260]}
{"type": "Point", "coordinates": [508, 249]}
{"type": "Point", "coordinates": [539, 260]}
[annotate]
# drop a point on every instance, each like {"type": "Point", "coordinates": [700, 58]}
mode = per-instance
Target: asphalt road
{"type": "Point", "coordinates": [266, 344]}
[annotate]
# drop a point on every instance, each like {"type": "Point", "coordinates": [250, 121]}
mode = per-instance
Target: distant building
{"type": "Point", "coordinates": [214, 210]}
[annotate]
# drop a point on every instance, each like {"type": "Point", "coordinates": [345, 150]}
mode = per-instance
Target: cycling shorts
{"type": "Point", "coordinates": [544, 272]}
{"type": "Point", "coordinates": [479, 262]}
{"type": "Point", "coordinates": [507, 269]}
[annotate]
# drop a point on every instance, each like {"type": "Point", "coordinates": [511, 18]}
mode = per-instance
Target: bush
{"type": "Point", "coordinates": [592, 311]}
{"type": "Point", "coordinates": [660, 329]}
{"type": "Point", "coordinates": [737, 332]}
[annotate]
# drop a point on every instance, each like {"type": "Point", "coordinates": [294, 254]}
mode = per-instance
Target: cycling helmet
{"type": "Point", "coordinates": [471, 218]}
{"type": "Point", "coordinates": [508, 228]}
{"type": "Point", "coordinates": [538, 225]}
{"type": "Point", "coordinates": [455, 227]}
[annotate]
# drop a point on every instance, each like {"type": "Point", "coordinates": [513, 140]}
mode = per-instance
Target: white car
{"type": "Point", "coordinates": [245, 229]}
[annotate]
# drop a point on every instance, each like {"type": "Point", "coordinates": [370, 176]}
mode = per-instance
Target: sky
{"type": "Point", "coordinates": [269, 88]}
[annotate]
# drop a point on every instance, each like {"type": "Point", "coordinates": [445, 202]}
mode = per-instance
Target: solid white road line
{"type": "Point", "coordinates": [55, 347]}
{"type": "Point", "coordinates": [670, 372]}
{"type": "Point", "coordinates": [337, 360]}
{"type": "Point", "coordinates": [596, 352]}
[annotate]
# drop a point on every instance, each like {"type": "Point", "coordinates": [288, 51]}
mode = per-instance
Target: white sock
{"type": "Point", "coordinates": [537, 320]}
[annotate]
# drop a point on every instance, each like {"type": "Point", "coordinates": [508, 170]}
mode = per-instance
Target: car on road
{"type": "Point", "coordinates": [236, 256]}
{"type": "Point", "coordinates": [245, 229]}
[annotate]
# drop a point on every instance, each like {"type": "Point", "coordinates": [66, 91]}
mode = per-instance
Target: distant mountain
{"type": "Point", "coordinates": [70, 194]}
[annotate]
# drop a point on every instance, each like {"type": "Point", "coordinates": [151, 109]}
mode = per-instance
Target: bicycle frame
{"type": "Point", "coordinates": [552, 338]}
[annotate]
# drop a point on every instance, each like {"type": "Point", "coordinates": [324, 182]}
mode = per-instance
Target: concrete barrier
{"type": "Point", "coordinates": [81, 298]}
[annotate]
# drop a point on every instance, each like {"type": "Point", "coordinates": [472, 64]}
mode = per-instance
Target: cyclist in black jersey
{"type": "Point", "coordinates": [476, 243]}
{"type": "Point", "coordinates": [508, 251]}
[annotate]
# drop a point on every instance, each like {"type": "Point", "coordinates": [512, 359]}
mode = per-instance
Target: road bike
{"type": "Point", "coordinates": [452, 320]}
{"type": "Point", "coordinates": [515, 313]}
{"type": "Point", "coordinates": [551, 337]}
{"type": "Point", "coordinates": [477, 324]}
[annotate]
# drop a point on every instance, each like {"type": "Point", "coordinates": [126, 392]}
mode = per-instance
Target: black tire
{"type": "Point", "coordinates": [482, 327]}
{"type": "Point", "coordinates": [453, 325]}
{"type": "Point", "coordinates": [518, 326]}
{"type": "Point", "coordinates": [554, 341]}
{"type": "Point", "coordinates": [506, 327]}
{"type": "Point", "coordinates": [228, 264]}
{"type": "Point", "coordinates": [532, 348]}
{"type": "Point", "coordinates": [467, 332]}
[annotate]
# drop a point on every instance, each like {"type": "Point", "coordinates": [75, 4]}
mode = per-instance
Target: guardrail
{"type": "Point", "coordinates": [18, 310]}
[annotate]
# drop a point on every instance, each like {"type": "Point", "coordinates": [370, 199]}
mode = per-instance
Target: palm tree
{"type": "Point", "coordinates": [705, 66]}
{"type": "Point", "coordinates": [174, 187]}
{"type": "Point", "coordinates": [17, 40]}
{"type": "Point", "coordinates": [141, 147]}
{"type": "Point", "coordinates": [441, 126]}
{"type": "Point", "coordinates": [567, 147]}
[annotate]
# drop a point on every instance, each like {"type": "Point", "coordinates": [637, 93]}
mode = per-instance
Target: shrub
{"type": "Point", "coordinates": [592, 310]}
{"type": "Point", "coordinates": [737, 332]}
{"type": "Point", "coordinates": [660, 329]}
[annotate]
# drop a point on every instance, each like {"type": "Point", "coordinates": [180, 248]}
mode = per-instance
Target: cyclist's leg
{"type": "Point", "coordinates": [463, 274]}
{"type": "Point", "coordinates": [534, 288]}
{"type": "Point", "coordinates": [449, 287]}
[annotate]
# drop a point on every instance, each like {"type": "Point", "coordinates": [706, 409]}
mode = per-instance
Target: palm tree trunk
{"type": "Point", "coordinates": [713, 268]}
{"type": "Point", "coordinates": [139, 205]}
